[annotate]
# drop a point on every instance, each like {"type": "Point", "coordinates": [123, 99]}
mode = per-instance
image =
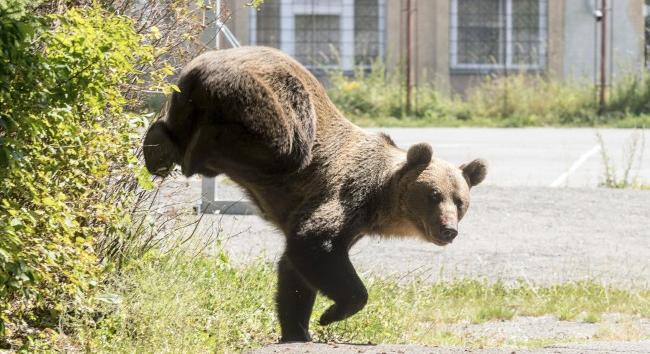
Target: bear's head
{"type": "Point", "coordinates": [433, 195]}
{"type": "Point", "coordinates": [189, 148]}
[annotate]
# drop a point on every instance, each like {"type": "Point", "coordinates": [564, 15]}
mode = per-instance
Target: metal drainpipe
{"type": "Point", "coordinates": [603, 58]}
{"type": "Point", "coordinates": [410, 29]}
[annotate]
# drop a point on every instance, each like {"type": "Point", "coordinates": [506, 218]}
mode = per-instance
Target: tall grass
{"type": "Point", "coordinates": [377, 97]}
{"type": "Point", "coordinates": [630, 96]}
{"type": "Point", "coordinates": [377, 93]}
{"type": "Point", "coordinates": [523, 100]}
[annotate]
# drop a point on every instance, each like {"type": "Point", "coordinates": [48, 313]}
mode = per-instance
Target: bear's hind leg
{"type": "Point", "coordinates": [295, 300]}
{"type": "Point", "coordinates": [331, 272]}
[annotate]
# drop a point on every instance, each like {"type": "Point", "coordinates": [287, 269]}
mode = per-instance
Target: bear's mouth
{"type": "Point", "coordinates": [439, 242]}
{"type": "Point", "coordinates": [433, 237]}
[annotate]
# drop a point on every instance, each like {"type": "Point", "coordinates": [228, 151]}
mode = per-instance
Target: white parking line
{"type": "Point", "coordinates": [576, 165]}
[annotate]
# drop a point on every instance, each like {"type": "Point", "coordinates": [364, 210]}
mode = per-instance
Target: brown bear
{"type": "Point", "coordinates": [261, 118]}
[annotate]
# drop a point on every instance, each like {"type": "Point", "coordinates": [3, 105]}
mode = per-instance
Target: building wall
{"type": "Point", "coordinates": [556, 30]}
{"type": "Point", "coordinates": [432, 38]}
{"type": "Point", "coordinates": [395, 37]}
{"type": "Point", "coordinates": [238, 22]}
{"type": "Point", "coordinates": [571, 45]}
{"type": "Point", "coordinates": [582, 35]}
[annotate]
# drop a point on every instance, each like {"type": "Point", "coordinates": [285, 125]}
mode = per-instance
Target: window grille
{"type": "Point", "coordinates": [266, 29]}
{"type": "Point", "coordinates": [498, 34]}
{"type": "Point", "coordinates": [317, 39]}
{"type": "Point", "coordinates": [322, 34]}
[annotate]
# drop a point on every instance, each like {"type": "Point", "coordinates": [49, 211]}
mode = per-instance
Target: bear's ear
{"type": "Point", "coordinates": [474, 172]}
{"type": "Point", "coordinates": [419, 154]}
{"type": "Point", "coordinates": [160, 151]}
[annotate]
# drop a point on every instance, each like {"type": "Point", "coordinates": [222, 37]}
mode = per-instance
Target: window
{"type": "Point", "coordinates": [266, 31]}
{"type": "Point", "coordinates": [317, 39]}
{"type": "Point", "coordinates": [322, 34]}
{"type": "Point", "coordinates": [498, 34]}
{"type": "Point", "coordinates": [368, 30]}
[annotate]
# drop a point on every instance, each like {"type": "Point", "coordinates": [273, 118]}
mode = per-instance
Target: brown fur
{"type": "Point", "coordinates": [261, 118]}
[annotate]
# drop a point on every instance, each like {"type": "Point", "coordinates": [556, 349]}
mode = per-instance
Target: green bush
{"type": "Point", "coordinates": [523, 100]}
{"type": "Point", "coordinates": [65, 143]}
{"type": "Point", "coordinates": [375, 97]}
{"type": "Point", "coordinates": [630, 96]}
{"type": "Point", "coordinates": [375, 93]}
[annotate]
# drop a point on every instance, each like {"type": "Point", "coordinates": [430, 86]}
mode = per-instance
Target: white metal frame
{"type": "Point", "coordinates": [290, 8]}
{"type": "Point", "coordinates": [209, 203]}
{"type": "Point", "coordinates": [543, 29]}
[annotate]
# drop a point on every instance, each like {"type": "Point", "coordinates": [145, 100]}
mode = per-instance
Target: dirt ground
{"type": "Point", "coordinates": [575, 338]}
{"type": "Point", "coordinates": [586, 348]}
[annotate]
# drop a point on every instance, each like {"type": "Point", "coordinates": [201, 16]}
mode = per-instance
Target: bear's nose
{"type": "Point", "coordinates": [448, 233]}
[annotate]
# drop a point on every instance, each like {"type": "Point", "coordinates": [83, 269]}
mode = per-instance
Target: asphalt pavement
{"type": "Point", "coordinates": [539, 234]}
{"type": "Point", "coordinates": [557, 157]}
{"type": "Point", "coordinates": [539, 217]}
{"type": "Point", "coordinates": [521, 224]}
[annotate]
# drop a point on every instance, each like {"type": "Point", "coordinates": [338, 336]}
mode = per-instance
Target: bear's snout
{"type": "Point", "coordinates": [448, 232]}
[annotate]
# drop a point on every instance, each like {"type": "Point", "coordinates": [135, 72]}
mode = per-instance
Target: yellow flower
{"type": "Point", "coordinates": [351, 86]}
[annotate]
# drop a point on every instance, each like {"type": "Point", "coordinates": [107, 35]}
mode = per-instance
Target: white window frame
{"type": "Point", "coordinates": [543, 28]}
{"type": "Point", "coordinates": [290, 8]}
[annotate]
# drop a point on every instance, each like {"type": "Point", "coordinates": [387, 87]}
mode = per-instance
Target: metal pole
{"type": "Point", "coordinates": [504, 52]}
{"type": "Point", "coordinates": [208, 184]}
{"type": "Point", "coordinates": [217, 17]}
{"type": "Point", "coordinates": [208, 192]}
{"type": "Point", "coordinates": [209, 203]}
{"type": "Point", "coordinates": [603, 57]}
{"type": "Point", "coordinates": [409, 55]}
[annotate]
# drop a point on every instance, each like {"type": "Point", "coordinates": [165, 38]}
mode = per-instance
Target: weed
{"type": "Point", "coordinates": [591, 318]}
{"type": "Point", "coordinates": [632, 160]}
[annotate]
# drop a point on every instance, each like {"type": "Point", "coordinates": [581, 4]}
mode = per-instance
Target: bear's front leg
{"type": "Point", "coordinates": [326, 266]}
{"type": "Point", "coordinates": [295, 300]}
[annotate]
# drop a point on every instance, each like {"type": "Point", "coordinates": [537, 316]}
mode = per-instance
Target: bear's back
{"type": "Point", "coordinates": [261, 90]}
{"type": "Point", "coordinates": [260, 73]}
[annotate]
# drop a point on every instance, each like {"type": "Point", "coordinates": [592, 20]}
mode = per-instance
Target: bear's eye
{"type": "Point", "coordinates": [435, 198]}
